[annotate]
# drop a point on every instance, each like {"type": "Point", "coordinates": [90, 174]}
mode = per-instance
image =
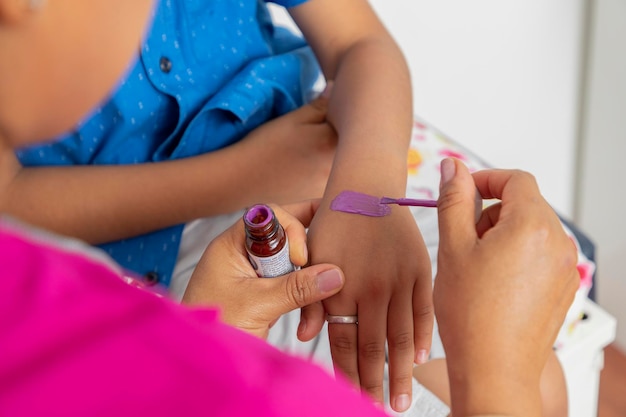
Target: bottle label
{"type": "Point", "coordinates": [272, 266]}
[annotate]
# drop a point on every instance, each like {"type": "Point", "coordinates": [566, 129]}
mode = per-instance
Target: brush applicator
{"type": "Point", "coordinates": [409, 202]}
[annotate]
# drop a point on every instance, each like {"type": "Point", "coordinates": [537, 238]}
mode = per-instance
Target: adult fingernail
{"type": "Point", "coordinates": [329, 280]}
{"type": "Point", "coordinates": [448, 169]}
{"type": "Point", "coordinates": [403, 401]}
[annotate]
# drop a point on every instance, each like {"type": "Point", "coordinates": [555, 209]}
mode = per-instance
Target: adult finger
{"type": "Point", "coordinates": [292, 217]}
{"type": "Point", "coordinates": [489, 217]}
{"type": "Point", "coordinates": [456, 205]}
{"type": "Point", "coordinates": [520, 199]}
{"type": "Point", "coordinates": [302, 210]}
{"type": "Point", "coordinates": [300, 288]}
{"type": "Point", "coordinates": [511, 185]}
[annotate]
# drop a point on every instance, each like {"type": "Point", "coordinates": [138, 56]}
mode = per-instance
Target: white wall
{"type": "Point", "coordinates": [499, 76]}
{"type": "Point", "coordinates": [602, 203]}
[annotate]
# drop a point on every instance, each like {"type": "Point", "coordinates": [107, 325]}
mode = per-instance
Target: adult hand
{"type": "Point", "coordinates": [502, 290]}
{"type": "Point", "coordinates": [388, 286]}
{"type": "Point", "coordinates": [225, 278]}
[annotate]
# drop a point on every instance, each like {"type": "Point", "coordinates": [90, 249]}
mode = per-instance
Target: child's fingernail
{"type": "Point", "coordinates": [421, 356]}
{"type": "Point", "coordinates": [402, 403]}
{"type": "Point", "coordinates": [302, 325]}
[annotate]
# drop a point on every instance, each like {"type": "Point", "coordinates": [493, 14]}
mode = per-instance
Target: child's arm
{"type": "Point", "coordinates": [104, 203]}
{"type": "Point", "coordinates": [387, 268]}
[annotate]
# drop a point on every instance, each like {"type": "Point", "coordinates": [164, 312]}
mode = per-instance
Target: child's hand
{"type": "Point", "coordinates": [502, 290]}
{"type": "Point", "coordinates": [225, 278]}
{"type": "Point", "coordinates": [291, 155]}
{"type": "Point", "coordinates": [388, 286]}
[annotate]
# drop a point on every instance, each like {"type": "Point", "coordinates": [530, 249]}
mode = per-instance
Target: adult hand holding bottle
{"type": "Point", "coordinates": [253, 304]}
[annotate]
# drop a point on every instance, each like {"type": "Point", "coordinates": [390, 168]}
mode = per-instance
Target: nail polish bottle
{"type": "Point", "coordinates": [266, 242]}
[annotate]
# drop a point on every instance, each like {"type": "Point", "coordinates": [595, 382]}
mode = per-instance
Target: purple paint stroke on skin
{"type": "Point", "coordinates": [369, 205]}
{"type": "Point", "coordinates": [359, 203]}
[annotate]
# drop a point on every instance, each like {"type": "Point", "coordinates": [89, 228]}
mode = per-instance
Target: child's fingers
{"type": "Point", "coordinates": [315, 111]}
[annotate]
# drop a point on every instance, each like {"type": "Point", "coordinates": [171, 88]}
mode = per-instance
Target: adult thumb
{"type": "Point", "coordinates": [308, 285]}
{"type": "Point", "coordinates": [459, 203]}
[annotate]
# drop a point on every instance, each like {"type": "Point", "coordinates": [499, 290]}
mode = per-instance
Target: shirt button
{"type": "Point", "coordinates": [151, 278]}
{"type": "Point", "coordinates": [165, 64]}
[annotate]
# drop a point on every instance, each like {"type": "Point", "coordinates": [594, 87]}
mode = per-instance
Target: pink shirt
{"type": "Point", "coordinates": [75, 340]}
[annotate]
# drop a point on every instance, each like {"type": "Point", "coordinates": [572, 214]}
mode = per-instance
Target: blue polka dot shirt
{"type": "Point", "coordinates": [208, 73]}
